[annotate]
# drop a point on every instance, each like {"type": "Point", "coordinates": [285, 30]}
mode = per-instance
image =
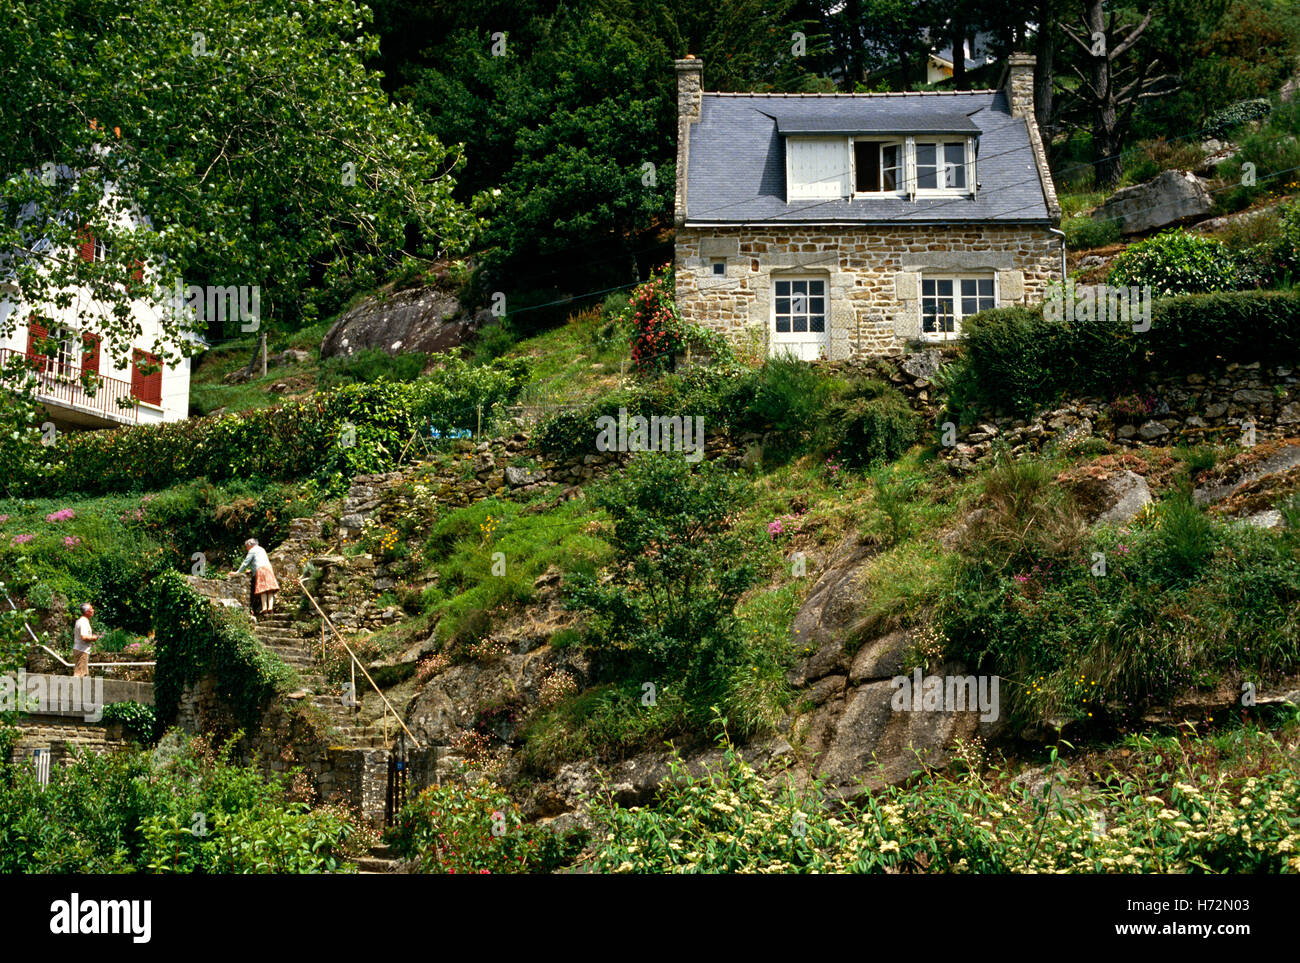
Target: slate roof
{"type": "Point", "coordinates": [736, 168]}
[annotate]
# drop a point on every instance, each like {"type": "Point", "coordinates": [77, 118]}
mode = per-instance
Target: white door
{"type": "Point", "coordinates": [799, 311]}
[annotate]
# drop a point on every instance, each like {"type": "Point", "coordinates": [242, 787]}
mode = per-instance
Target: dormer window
{"type": "Point", "coordinates": [829, 168]}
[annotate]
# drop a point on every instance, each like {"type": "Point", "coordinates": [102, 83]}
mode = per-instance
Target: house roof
{"type": "Point", "coordinates": [736, 168]}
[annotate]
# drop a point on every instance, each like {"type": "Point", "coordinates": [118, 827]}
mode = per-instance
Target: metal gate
{"type": "Point", "coordinates": [396, 796]}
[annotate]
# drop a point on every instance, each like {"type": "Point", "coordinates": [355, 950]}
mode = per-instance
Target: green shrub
{"type": "Point", "coordinates": [1083, 231]}
{"type": "Point", "coordinates": [657, 334]}
{"type": "Point", "coordinates": [1176, 262]}
{"type": "Point", "coordinates": [872, 425]}
{"type": "Point", "coordinates": [359, 427]}
{"type": "Point", "coordinates": [370, 364]}
{"type": "Point", "coordinates": [458, 828]}
{"type": "Point", "coordinates": [1225, 121]}
{"type": "Point", "coordinates": [666, 611]}
{"type": "Point", "coordinates": [733, 819]}
{"type": "Point", "coordinates": [493, 340]}
{"type": "Point", "coordinates": [135, 717]}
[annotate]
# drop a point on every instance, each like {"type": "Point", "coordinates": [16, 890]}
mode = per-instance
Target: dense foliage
{"type": "Point", "coordinates": [733, 819]}
{"type": "Point", "coordinates": [182, 808]}
{"type": "Point", "coordinates": [355, 428]}
{"type": "Point", "coordinates": [667, 612]}
{"type": "Point", "coordinates": [206, 116]}
{"type": "Point", "coordinates": [1018, 359]}
{"type": "Point", "coordinates": [475, 828]}
{"type": "Point", "coordinates": [1180, 601]}
{"type": "Point", "coordinates": [1176, 262]}
{"type": "Point", "coordinates": [194, 638]}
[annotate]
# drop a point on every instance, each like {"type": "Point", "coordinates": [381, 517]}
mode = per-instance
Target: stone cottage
{"type": "Point", "coordinates": [843, 225]}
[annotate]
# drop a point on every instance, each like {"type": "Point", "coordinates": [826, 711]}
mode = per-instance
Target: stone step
{"type": "Point", "coordinates": [372, 866]}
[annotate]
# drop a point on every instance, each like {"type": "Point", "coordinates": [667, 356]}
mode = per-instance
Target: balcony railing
{"type": "Point", "coordinates": [67, 385]}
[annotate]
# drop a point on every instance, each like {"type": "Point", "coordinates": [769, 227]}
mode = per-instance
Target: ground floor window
{"type": "Point", "coordinates": [946, 300]}
{"type": "Point", "coordinates": [799, 312]}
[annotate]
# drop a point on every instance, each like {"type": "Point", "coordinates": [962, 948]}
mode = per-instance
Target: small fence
{"type": "Point", "coordinates": [70, 386]}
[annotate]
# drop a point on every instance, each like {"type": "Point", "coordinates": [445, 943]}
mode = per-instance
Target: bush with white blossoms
{"type": "Point", "coordinates": [732, 819]}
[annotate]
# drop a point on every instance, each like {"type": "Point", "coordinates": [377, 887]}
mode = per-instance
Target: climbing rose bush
{"type": "Point", "coordinates": [657, 332]}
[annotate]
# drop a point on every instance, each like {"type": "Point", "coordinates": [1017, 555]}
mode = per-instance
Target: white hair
{"type": "Point", "coordinates": [250, 542]}
{"type": "Point", "coordinates": [85, 607]}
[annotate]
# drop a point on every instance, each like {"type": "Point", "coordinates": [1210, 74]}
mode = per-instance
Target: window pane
{"type": "Point", "coordinates": [816, 305]}
{"type": "Point", "coordinates": [817, 322]}
{"type": "Point", "coordinates": [954, 165]}
{"type": "Point", "coordinates": [927, 288]}
{"type": "Point", "coordinates": [986, 287]}
{"type": "Point", "coordinates": [799, 323]}
{"type": "Point", "coordinates": [782, 289]}
{"type": "Point", "coordinates": [968, 287]}
{"type": "Point", "coordinates": [969, 306]}
{"type": "Point", "coordinates": [799, 304]}
{"type": "Point", "coordinates": [927, 177]}
{"type": "Point", "coordinates": [891, 163]}
{"type": "Point", "coordinates": [798, 287]}
{"type": "Point", "coordinates": [944, 287]}
{"type": "Point", "coordinates": [783, 323]}
{"type": "Point", "coordinates": [782, 305]}
{"type": "Point", "coordinates": [817, 288]}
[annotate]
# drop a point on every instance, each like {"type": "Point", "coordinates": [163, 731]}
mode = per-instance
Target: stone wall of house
{"type": "Point", "coordinates": [872, 272]}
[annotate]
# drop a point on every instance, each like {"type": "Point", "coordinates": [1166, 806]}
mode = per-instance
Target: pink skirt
{"type": "Point", "coordinates": [264, 581]}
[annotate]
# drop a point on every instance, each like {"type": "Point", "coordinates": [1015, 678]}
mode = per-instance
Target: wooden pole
{"type": "Point", "coordinates": [263, 354]}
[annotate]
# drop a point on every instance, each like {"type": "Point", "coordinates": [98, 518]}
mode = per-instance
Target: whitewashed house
{"type": "Point", "coordinates": [80, 381]}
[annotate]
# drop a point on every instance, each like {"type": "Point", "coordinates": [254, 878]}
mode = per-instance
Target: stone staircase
{"type": "Point", "coordinates": [379, 861]}
{"type": "Point", "coordinates": [278, 634]}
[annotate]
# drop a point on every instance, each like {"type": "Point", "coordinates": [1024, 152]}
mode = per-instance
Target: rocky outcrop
{"type": "Point", "coordinates": [1170, 197]}
{"type": "Point", "coordinates": [424, 319]}
{"type": "Point", "coordinates": [1107, 497]}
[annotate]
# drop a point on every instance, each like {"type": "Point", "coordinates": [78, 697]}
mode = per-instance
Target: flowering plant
{"type": "Point", "coordinates": [62, 515]}
{"type": "Point", "coordinates": [657, 332]}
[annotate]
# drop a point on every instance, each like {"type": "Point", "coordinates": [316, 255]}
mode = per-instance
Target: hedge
{"type": "Point", "coordinates": [310, 437]}
{"type": "Point", "coordinates": [193, 638]}
{"type": "Point", "coordinates": [1021, 360]}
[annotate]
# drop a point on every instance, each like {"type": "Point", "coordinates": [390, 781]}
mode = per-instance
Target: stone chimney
{"type": "Point", "coordinates": [1019, 84]}
{"type": "Point", "coordinates": [690, 86]}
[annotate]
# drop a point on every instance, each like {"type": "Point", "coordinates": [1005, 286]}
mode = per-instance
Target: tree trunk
{"type": "Point", "coordinates": [1045, 56]}
{"type": "Point", "coordinates": [1107, 164]}
{"type": "Point", "coordinates": [958, 35]}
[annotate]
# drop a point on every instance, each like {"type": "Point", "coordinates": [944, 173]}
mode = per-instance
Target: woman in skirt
{"type": "Point", "coordinates": [262, 586]}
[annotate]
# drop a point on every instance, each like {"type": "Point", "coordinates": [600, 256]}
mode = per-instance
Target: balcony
{"type": "Point", "coordinates": [89, 401]}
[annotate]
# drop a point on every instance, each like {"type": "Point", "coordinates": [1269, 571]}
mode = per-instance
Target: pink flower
{"type": "Point", "coordinates": [71, 541]}
{"type": "Point", "coordinates": [775, 528]}
{"type": "Point", "coordinates": [62, 515]}
{"type": "Point", "coordinates": [3, 519]}
{"type": "Point", "coordinates": [21, 539]}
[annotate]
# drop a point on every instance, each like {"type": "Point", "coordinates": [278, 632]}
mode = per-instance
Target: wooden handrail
{"type": "Point", "coordinates": [63, 384]}
{"type": "Point", "coordinates": [357, 663]}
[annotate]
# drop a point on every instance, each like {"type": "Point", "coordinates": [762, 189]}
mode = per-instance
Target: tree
{"type": "Point", "coordinates": [1114, 82]}
{"type": "Point", "coordinates": [249, 132]}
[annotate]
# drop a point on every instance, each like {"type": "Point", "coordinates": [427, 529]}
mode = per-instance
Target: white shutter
{"type": "Point", "coordinates": [970, 165]}
{"type": "Point", "coordinates": [816, 167]}
{"type": "Point", "coordinates": [909, 167]}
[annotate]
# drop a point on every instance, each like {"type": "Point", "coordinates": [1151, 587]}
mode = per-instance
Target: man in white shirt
{"type": "Point", "coordinates": [82, 636]}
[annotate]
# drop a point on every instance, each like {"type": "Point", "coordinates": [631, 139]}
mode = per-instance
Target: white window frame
{"type": "Point", "coordinates": [67, 358]}
{"type": "Point", "coordinates": [939, 143]}
{"type": "Point", "coordinates": [958, 315]}
{"type": "Point", "coordinates": [790, 336]}
{"type": "Point", "coordinates": [880, 142]}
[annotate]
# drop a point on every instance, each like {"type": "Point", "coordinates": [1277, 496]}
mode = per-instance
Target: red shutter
{"type": "Point", "coordinates": [36, 333]}
{"type": "Point", "coordinates": [90, 353]}
{"type": "Point", "coordinates": [146, 387]}
{"type": "Point", "coordinates": [87, 247]}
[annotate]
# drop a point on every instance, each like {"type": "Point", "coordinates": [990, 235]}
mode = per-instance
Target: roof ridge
{"type": "Point", "coordinates": [886, 93]}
